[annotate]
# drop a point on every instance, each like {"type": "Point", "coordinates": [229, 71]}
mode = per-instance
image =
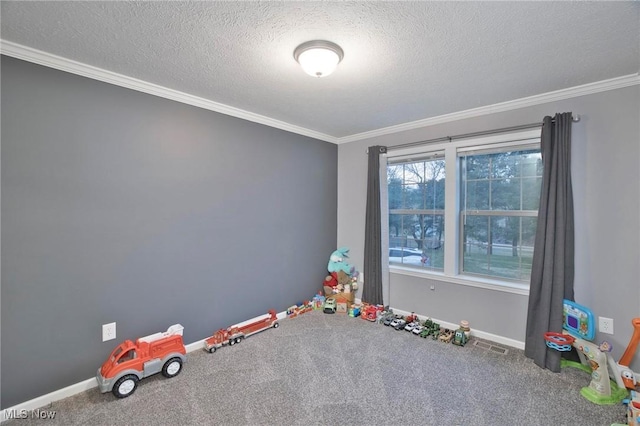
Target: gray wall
{"type": "Point", "coordinates": [606, 182]}
{"type": "Point", "coordinates": [121, 206]}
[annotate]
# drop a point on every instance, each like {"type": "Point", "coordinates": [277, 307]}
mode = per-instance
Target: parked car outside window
{"type": "Point", "coordinates": [407, 256]}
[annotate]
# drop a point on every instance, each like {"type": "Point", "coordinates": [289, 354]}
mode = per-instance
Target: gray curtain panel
{"type": "Point", "coordinates": [372, 290]}
{"type": "Point", "coordinates": [553, 256]}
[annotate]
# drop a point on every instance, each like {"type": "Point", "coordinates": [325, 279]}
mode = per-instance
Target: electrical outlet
{"type": "Point", "coordinates": [108, 331]}
{"type": "Point", "coordinates": [605, 325]}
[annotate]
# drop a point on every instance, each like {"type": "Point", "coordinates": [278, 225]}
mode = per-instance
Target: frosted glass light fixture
{"type": "Point", "coordinates": [318, 58]}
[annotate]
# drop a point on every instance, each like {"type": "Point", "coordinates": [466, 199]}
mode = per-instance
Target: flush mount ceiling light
{"type": "Point", "coordinates": [318, 58]}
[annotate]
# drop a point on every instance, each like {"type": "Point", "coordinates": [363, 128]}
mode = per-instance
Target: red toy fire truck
{"type": "Point", "coordinates": [130, 362]}
{"type": "Point", "coordinates": [370, 312]}
{"type": "Point", "coordinates": [234, 334]}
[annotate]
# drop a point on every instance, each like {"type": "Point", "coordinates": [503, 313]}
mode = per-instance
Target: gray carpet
{"type": "Point", "coordinates": [332, 369]}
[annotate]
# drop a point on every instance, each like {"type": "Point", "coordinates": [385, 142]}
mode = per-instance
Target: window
{"type": "Point", "coordinates": [479, 223]}
{"type": "Point", "coordinates": [416, 212]}
{"type": "Point", "coordinates": [499, 197]}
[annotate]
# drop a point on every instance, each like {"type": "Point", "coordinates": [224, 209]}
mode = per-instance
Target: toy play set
{"type": "Point", "coordinates": [609, 380]}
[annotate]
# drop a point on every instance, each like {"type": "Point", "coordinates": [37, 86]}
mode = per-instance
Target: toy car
{"type": "Point", "coordinates": [436, 331]}
{"type": "Point", "coordinates": [386, 315]}
{"type": "Point", "coordinates": [459, 338]}
{"type": "Point", "coordinates": [388, 320]}
{"type": "Point", "coordinates": [417, 330]}
{"type": "Point", "coordinates": [431, 328]}
{"type": "Point", "coordinates": [329, 306]}
{"type": "Point", "coordinates": [130, 361]}
{"type": "Point", "coordinates": [400, 325]}
{"type": "Point", "coordinates": [410, 326]}
{"type": "Point", "coordinates": [445, 335]}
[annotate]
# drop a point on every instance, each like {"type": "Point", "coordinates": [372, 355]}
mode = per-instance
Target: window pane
{"type": "Point", "coordinates": [433, 241]}
{"type": "Point", "coordinates": [499, 246]}
{"type": "Point", "coordinates": [505, 194]}
{"type": "Point", "coordinates": [429, 231]}
{"type": "Point", "coordinates": [414, 172]}
{"type": "Point", "coordinates": [401, 229]}
{"type": "Point", "coordinates": [395, 195]}
{"type": "Point", "coordinates": [410, 229]}
{"type": "Point", "coordinates": [476, 233]}
{"type": "Point", "coordinates": [478, 166]}
{"type": "Point", "coordinates": [531, 193]}
{"type": "Point", "coordinates": [528, 233]}
{"type": "Point", "coordinates": [434, 194]}
{"type": "Point", "coordinates": [394, 172]}
{"type": "Point", "coordinates": [531, 163]}
{"type": "Point", "coordinates": [477, 195]}
{"type": "Point", "coordinates": [395, 228]}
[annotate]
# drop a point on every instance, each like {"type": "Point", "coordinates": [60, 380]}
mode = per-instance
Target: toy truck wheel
{"type": "Point", "coordinates": [238, 339]}
{"type": "Point", "coordinates": [172, 367]}
{"type": "Point", "coordinates": [232, 342]}
{"type": "Point", "coordinates": [125, 386]}
{"type": "Point", "coordinates": [212, 349]}
{"type": "Point", "coordinates": [276, 325]}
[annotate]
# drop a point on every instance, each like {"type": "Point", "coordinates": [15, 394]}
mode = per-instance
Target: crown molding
{"type": "Point", "coordinates": [57, 62]}
{"type": "Point", "coordinates": [63, 64]}
{"type": "Point", "coordinates": [558, 95]}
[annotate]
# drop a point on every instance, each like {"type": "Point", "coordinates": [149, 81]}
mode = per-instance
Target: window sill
{"type": "Point", "coordinates": [486, 283]}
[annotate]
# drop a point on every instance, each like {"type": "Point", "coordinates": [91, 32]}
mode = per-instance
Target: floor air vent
{"type": "Point", "coordinates": [490, 347]}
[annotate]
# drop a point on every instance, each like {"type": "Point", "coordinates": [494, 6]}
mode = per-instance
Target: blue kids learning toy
{"type": "Point", "coordinates": [579, 330]}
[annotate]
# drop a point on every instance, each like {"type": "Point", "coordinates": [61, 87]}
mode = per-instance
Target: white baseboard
{"type": "Point", "coordinates": [194, 346]}
{"type": "Point", "coordinates": [474, 332]}
{"type": "Point", "coordinates": [44, 400]}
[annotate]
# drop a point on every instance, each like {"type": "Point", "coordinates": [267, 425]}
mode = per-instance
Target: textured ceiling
{"type": "Point", "coordinates": [404, 61]}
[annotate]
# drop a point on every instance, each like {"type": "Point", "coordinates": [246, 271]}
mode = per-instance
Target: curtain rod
{"type": "Point", "coordinates": [574, 118]}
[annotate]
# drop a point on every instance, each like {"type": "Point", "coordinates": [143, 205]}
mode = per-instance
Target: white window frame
{"type": "Point", "coordinates": [452, 228]}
